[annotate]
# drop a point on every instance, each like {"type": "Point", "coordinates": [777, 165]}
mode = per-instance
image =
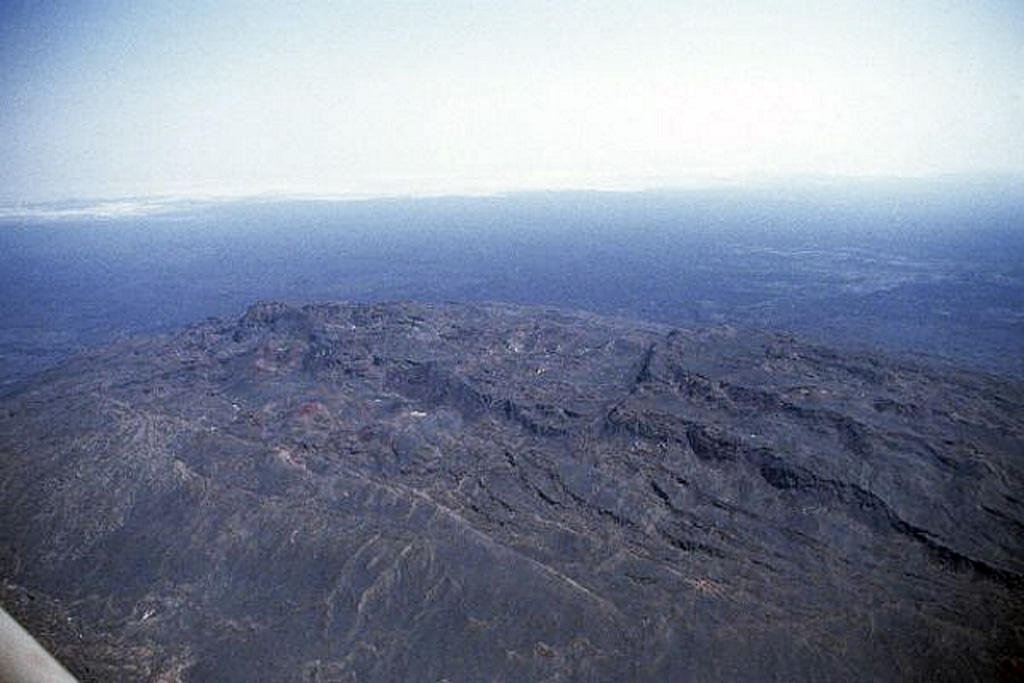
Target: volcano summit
{"type": "Point", "coordinates": [397, 492]}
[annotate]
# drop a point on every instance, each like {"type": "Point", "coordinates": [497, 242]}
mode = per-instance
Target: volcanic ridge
{"type": "Point", "coordinates": [409, 492]}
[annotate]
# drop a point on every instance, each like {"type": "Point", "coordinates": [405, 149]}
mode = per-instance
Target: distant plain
{"type": "Point", "coordinates": [921, 268]}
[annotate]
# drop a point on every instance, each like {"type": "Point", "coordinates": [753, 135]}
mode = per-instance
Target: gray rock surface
{"type": "Point", "coordinates": [403, 492]}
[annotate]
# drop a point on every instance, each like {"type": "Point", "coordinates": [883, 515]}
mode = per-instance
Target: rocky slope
{"type": "Point", "coordinates": [452, 493]}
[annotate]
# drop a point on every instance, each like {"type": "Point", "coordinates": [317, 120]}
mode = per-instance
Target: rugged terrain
{"type": "Point", "coordinates": [408, 492]}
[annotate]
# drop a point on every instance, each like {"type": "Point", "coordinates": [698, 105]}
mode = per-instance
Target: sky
{"type": "Point", "coordinates": [124, 99]}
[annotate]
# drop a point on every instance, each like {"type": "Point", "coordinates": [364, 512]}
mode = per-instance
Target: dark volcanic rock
{"type": "Point", "coordinates": [469, 493]}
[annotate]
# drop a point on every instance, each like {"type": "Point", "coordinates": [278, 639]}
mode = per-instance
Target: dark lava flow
{"type": "Point", "coordinates": [405, 492]}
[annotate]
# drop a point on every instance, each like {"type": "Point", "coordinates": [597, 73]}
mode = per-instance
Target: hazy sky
{"type": "Point", "coordinates": [107, 99]}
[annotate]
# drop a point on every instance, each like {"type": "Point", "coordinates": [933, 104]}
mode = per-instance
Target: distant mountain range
{"type": "Point", "coordinates": [477, 492]}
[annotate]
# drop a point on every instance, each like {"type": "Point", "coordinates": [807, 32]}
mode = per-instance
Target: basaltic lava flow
{"type": "Point", "coordinates": [398, 492]}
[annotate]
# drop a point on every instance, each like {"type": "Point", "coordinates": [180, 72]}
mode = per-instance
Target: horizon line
{"type": "Point", "coordinates": [129, 205]}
